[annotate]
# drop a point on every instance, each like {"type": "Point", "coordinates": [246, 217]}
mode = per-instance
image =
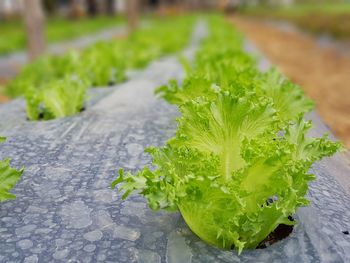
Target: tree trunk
{"type": "Point", "coordinates": [132, 12]}
{"type": "Point", "coordinates": [34, 22]}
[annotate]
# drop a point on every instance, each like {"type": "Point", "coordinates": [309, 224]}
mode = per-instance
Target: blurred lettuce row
{"type": "Point", "coordinates": [49, 83]}
{"type": "Point", "coordinates": [8, 178]}
{"type": "Point", "coordinates": [56, 29]}
{"type": "Point", "coordinates": [238, 166]}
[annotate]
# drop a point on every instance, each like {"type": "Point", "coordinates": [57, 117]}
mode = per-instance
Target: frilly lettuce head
{"type": "Point", "coordinates": [231, 170]}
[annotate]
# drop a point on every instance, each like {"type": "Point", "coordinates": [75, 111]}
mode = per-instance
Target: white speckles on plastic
{"type": "Point", "coordinates": [52, 172]}
{"type": "Point", "coordinates": [60, 254]}
{"type": "Point", "coordinates": [177, 249]}
{"type": "Point", "coordinates": [134, 209]}
{"type": "Point", "coordinates": [93, 235]}
{"type": "Point", "coordinates": [25, 231]}
{"type": "Point", "coordinates": [126, 233]}
{"type": "Point", "coordinates": [89, 248]}
{"type": "Point", "coordinates": [148, 256]}
{"type": "Point", "coordinates": [101, 256]}
{"type": "Point", "coordinates": [31, 259]}
{"type": "Point", "coordinates": [134, 149]}
{"type": "Point", "coordinates": [76, 215]}
{"type": "Point", "coordinates": [25, 244]}
{"type": "Point", "coordinates": [103, 219]}
{"type": "Point", "coordinates": [36, 210]}
{"type": "Point", "coordinates": [104, 196]}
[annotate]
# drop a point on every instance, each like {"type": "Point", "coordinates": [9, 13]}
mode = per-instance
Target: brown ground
{"type": "Point", "coordinates": [323, 73]}
{"type": "Point", "coordinates": [3, 97]}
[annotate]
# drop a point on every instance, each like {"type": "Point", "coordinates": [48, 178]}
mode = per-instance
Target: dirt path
{"type": "Point", "coordinates": [324, 73]}
{"type": "Point", "coordinates": [3, 97]}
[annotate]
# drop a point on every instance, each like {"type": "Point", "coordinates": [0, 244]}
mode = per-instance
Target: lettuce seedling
{"type": "Point", "coordinates": [59, 99]}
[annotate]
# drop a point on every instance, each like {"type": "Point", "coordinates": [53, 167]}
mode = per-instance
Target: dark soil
{"type": "Point", "coordinates": [280, 233]}
{"type": "Point", "coordinates": [41, 116]}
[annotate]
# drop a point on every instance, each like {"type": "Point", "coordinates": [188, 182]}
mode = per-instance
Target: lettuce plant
{"type": "Point", "coordinates": [48, 83]}
{"type": "Point", "coordinates": [238, 166]}
{"type": "Point", "coordinates": [104, 63]}
{"type": "Point", "coordinates": [230, 170]}
{"type": "Point", "coordinates": [107, 61]}
{"type": "Point", "coordinates": [226, 66]}
{"type": "Point", "coordinates": [8, 178]}
{"type": "Point", "coordinates": [59, 99]}
{"type": "Point", "coordinates": [46, 69]}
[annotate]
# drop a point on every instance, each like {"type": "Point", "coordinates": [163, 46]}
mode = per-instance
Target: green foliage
{"type": "Point", "coordinates": [233, 70]}
{"type": "Point", "coordinates": [60, 98]}
{"type": "Point", "coordinates": [239, 163]}
{"type": "Point", "coordinates": [50, 82]}
{"type": "Point", "coordinates": [15, 36]}
{"type": "Point", "coordinates": [44, 70]}
{"type": "Point", "coordinates": [56, 29]}
{"type": "Point", "coordinates": [8, 178]}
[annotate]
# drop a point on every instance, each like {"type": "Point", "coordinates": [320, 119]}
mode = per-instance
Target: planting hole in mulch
{"type": "Point", "coordinates": [41, 116]}
{"type": "Point", "coordinates": [280, 233]}
{"type": "Point", "coordinates": [111, 83]}
{"type": "Point", "coordinates": [345, 232]}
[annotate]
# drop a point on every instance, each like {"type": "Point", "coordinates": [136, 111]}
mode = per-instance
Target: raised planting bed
{"type": "Point", "coordinates": [65, 210]}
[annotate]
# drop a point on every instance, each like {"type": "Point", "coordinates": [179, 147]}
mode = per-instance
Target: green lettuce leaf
{"type": "Point", "coordinates": [61, 98]}
{"type": "Point", "coordinates": [8, 178]}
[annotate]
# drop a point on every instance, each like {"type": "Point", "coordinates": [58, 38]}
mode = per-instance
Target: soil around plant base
{"type": "Point", "coordinates": [41, 115]}
{"type": "Point", "coordinates": [280, 233]}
